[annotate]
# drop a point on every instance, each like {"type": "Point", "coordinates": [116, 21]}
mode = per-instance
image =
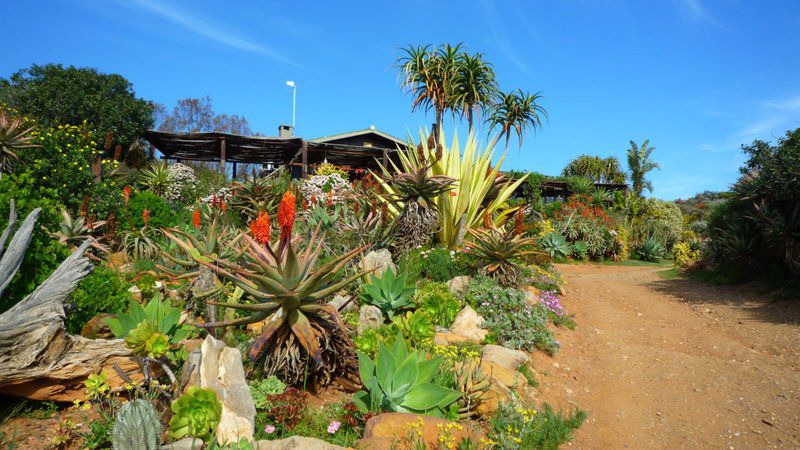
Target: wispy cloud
{"type": "Point", "coordinates": [207, 29]}
{"type": "Point", "coordinates": [698, 12]}
{"type": "Point", "coordinates": [496, 27]}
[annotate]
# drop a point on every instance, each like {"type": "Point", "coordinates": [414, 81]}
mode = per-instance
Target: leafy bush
{"type": "Point", "coordinates": [195, 414]}
{"type": "Point", "coordinates": [659, 219]}
{"type": "Point", "coordinates": [390, 292]}
{"type": "Point", "coordinates": [651, 250]}
{"type": "Point", "coordinates": [686, 255]}
{"type": "Point", "coordinates": [161, 214]}
{"type": "Point", "coordinates": [512, 321]}
{"type": "Point", "coordinates": [517, 426]}
{"type": "Point", "coordinates": [441, 264]}
{"type": "Point", "coordinates": [580, 250]}
{"type": "Point", "coordinates": [579, 219]}
{"type": "Point", "coordinates": [417, 327]}
{"type": "Point", "coordinates": [437, 301]}
{"type": "Point", "coordinates": [369, 341]}
{"type": "Point", "coordinates": [400, 380]}
{"type": "Point", "coordinates": [153, 330]}
{"type": "Point", "coordinates": [102, 291]}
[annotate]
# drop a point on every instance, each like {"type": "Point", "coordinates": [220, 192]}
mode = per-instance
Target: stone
{"type": "Point", "coordinates": [396, 430]}
{"type": "Point", "coordinates": [184, 444]}
{"type": "Point", "coordinates": [117, 260]}
{"type": "Point", "coordinates": [458, 284]}
{"type": "Point", "coordinates": [220, 368]}
{"type": "Point", "coordinates": [492, 399]}
{"type": "Point", "coordinates": [369, 316]}
{"type": "Point", "coordinates": [297, 443]}
{"type": "Point", "coordinates": [469, 324]}
{"type": "Point", "coordinates": [97, 327]}
{"type": "Point", "coordinates": [339, 300]}
{"type": "Point", "coordinates": [447, 338]}
{"type": "Point", "coordinates": [503, 375]}
{"type": "Point", "coordinates": [378, 260]}
{"type": "Point", "coordinates": [532, 298]}
{"type": "Point", "coordinates": [136, 293]}
{"type": "Point", "coordinates": [505, 357]}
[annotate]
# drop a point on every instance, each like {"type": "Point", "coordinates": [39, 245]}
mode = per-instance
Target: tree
{"type": "Point", "coordinates": [516, 111]}
{"type": "Point", "coordinates": [595, 168]}
{"type": "Point", "coordinates": [427, 74]}
{"type": "Point", "coordinates": [56, 95]}
{"type": "Point", "coordinates": [196, 115]}
{"type": "Point", "coordinates": [475, 87]}
{"type": "Point", "coordinates": [639, 165]}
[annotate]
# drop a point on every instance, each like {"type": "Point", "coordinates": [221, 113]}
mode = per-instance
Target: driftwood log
{"type": "Point", "coordinates": [38, 358]}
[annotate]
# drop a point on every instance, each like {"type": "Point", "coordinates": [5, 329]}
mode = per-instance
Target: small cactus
{"type": "Point", "coordinates": [136, 427]}
{"type": "Point", "coordinates": [473, 384]}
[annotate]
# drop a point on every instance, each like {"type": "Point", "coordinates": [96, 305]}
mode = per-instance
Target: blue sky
{"type": "Point", "coordinates": [696, 77]}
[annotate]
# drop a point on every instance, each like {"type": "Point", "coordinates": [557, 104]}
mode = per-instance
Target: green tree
{"type": "Point", "coordinates": [53, 95]}
{"type": "Point", "coordinates": [428, 74]}
{"type": "Point", "coordinates": [639, 165]}
{"type": "Point", "coordinates": [595, 168]}
{"type": "Point", "coordinates": [475, 87]}
{"type": "Point", "coordinates": [516, 111]}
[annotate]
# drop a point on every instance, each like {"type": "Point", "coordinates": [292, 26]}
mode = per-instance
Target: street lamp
{"type": "Point", "coordinates": [294, 99]}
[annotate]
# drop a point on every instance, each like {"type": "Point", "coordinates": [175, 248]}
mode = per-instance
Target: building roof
{"type": "Point", "coordinates": [366, 131]}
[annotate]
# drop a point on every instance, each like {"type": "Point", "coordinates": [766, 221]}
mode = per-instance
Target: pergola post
{"type": "Point", "coordinates": [386, 157]}
{"type": "Point", "coordinates": [222, 155]}
{"type": "Point", "coordinates": [234, 170]}
{"type": "Point", "coordinates": [305, 159]}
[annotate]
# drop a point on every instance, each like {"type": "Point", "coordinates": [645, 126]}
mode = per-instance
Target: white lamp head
{"type": "Point", "coordinates": [290, 83]}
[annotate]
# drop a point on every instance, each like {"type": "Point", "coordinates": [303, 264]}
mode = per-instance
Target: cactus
{"type": "Point", "coordinates": [473, 384]}
{"type": "Point", "coordinates": [136, 427]}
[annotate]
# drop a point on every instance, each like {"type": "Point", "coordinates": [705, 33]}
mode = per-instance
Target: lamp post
{"type": "Point", "coordinates": [294, 99]}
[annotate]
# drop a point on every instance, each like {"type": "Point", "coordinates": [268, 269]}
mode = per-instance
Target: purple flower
{"type": "Point", "coordinates": [333, 427]}
{"type": "Point", "coordinates": [269, 429]}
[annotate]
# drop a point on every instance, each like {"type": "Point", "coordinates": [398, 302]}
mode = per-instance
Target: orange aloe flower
{"type": "Point", "coordinates": [260, 228]}
{"type": "Point", "coordinates": [146, 216]}
{"type": "Point", "coordinates": [196, 218]}
{"type": "Point", "coordinates": [286, 212]}
{"type": "Point", "coordinates": [126, 194]}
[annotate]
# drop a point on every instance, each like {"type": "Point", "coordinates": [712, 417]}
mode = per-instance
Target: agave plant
{"type": "Point", "coordinates": [651, 250]}
{"type": "Point", "coordinates": [303, 337]}
{"type": "Point", "coordinates": [156, 177]}
{"type": "Point", "coordinates": [390, 292]}
{"type": "Point", "coordinates": [501, 253]}
{"type": "Point", "coordinates": [400, 380]}
{"type": "Point", "coordinates": [13, 137]}
{"type": "Point", "coordinates": [555, 245]}
{"type": "Point", "coordinates": [257, 194]}
{"type": "Point", "coordinates": [141, 242]}
{"type": "Point", "coordinates": [418, 217]}
{"type": "Point", "coordinates": [74, 231]}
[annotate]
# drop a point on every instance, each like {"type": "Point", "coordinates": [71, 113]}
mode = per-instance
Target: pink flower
{"type": "Point", "coordinates": [269, 429]}
{"type": "Point", "coordinates": [333, 427]}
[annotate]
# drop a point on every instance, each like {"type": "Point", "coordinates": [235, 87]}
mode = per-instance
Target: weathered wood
{"type": "Point", "coordinates": [222, 155]}
{"type": "Point", "coordinates": [304, 152]}
{"type": "Point", "coordinates": [13, 256]}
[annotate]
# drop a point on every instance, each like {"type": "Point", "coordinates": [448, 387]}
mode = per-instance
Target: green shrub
{"type": "Point", "coordinates": [390, 292]}
{"type": "Point", "coordinates": [437, 301]}
{"type": "Point", "coordinates": [510, 319]}
{"type": "Point", "coordinates": [417, 328]}
{"type": "Point", "coordinates": [651, 250]}
{"type": "Point", "coordinates": [102, 291]}
{"type": "Point", "coordinates": [658, 219]}
{"type": "Point", "coordinates": [261, 389]}
{"type": "Point", "coordinates": [439, 264]}
{"type": "Point", "coordinates": [518, 426]}
{"type": "Point", "coordinates": [162, 215]}
{"type": "Point", "coordinates": [555, 245]}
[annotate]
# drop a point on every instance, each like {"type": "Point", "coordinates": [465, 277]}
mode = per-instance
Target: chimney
{"type": "Point", "coordinates": [285, 131]}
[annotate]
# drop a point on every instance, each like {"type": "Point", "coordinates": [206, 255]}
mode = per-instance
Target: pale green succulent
{"type": "Point", "coordinates": [389, 292]}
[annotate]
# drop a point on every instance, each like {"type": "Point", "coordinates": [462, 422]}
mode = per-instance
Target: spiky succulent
{"type": "Point", "coordinates": [256, 194]}
{"type": "Point", "coordinates": [136, 427]}
{"type": "Point", "coordinates": [473, 384]}
{"type": "Point", "coordinates": [302, 334]}
{"type": "Point", "coordinates": [13, 137]}
{"type": "Point", "coordinates": [211, 240]}
{"type": "Point", "coordinates": [501, 253]}
{"type": "Point", "coordinates": [418, 219]}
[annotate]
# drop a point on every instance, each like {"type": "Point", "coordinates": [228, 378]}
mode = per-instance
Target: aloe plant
{"type": "Point", "coordinates": [555, 245]}
{"type": "Point", "coordinates": [152, 330]}
{"type": "Point", "coordinates": [400, 380]}
{"type": "Point", "coordinates": [500, 253]}
{"type": "Point", "coordinates": [136, 427]}
{"type": "Point", "coordinates": [390, 292]}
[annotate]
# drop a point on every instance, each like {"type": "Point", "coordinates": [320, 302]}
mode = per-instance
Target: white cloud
{"type": "Point", "coordinates": [699, 12]}
{"type": "Point", "coordinates": [202, 27]}
{"type": "Point", "coordinates": [499, 38]}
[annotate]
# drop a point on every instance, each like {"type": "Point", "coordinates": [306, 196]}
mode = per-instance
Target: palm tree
{"type": "Point", "coordinates": [599, 170]}
{"type": "Point", "coordinates": [639, 164]}
{"type": "Point", "coordinates": [516, 110]}
{"type": "Point", "coordinates": [428, 74]}
{"type": "Point", "coordinates": [474, 87]}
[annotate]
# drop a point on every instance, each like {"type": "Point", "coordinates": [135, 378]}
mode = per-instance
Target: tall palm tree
{"type": "Point", "coordinates": [474, 87]}
{"type": "Point", "coordinates": [516, 111]}
{"type": "Point", "coordinates": [639, 164]}
{"type": "Point", "coordinates": [599, 170]}
{"type": "Point", "coordinates": [428, 74]}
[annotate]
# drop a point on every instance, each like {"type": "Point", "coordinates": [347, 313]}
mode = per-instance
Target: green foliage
{"type": "Point", "coordinates": [261, 389]}
{"type": "Point", "coordinates": [390, 292]}
{"type": "Point", "coordinates": [441, 264]}
{"type": "Point", "coordinates": [580, 185]}
{"type": "Point", "coordinates": [639, 165]}
{"type": "Point", "coordinates": [437, 301]}
{"type": "Point", "coordinates": [400, 380]}
{"type": "Point", "coordinates": [319, 216]}
{"type": "Point", "coordinates": [368, 342]}
{"type": "Point", "coordinates": [651, 250]}
{"type": "Point", "coordinates": [659, 219]}
{"type": "Point", "coordinates": [686, 255]}
{"type": "Point", "coordinates": [195, 414]}
{"type": "Point", "coordinates": [156, 177]}
{"type": "Point", "coordinates": [514, 322]}
{"type": "Point", "coordinates": [501, 254]}
{"type": "Point", "coordinates": [596, 169]}
{"type": "Point", "coordinates": [579, 250]}
{"type": "Point", "coordinates": [136, 427]}
{"type": "Point", "coordinates": [152, 330]}
{"type": "Point", "coordinates": [517, 426]}
{"type": "Point", "coordinates": [162, 215]}
{"type": "Point", "coordinates": [314, 423]}
{"type": "Point", "coordinates": [99, 435]}
{"type": "Point", "coordinates": [555, 245]}
{"type": "Point", "coordinates": [53, 94]}
{"type": "Point", "coordinates": [44, 253]}
{"type": "Point", "coordinates": [102, 291]}
{"type": "Point", "coordinates": [417, 328]}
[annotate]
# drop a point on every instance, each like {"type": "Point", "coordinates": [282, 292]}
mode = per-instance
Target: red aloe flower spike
{"type": "Point", "coordinates": [146, 216]}
{"type": "Point", "coordinates": [196, 218]}
{"type": "Point", "coordinates": [260, 228]}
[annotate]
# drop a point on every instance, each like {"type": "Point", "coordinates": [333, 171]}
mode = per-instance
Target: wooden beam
{"type": "Point", "coordinates": [222, 155]}
{"type": "Point", "coordinates": [305, 159]}
{"type": "Point", "coordinates": [386, 158]}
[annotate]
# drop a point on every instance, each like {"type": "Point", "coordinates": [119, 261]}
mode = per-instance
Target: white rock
{"type": "Point", "coordinates": [458, 284]}
{"type": "Point", "coordinates": [379, 260]}
{"type": "Point", "coordinates": [505, 357]}
{"type": "Point", "coordinates": [297, 443]}
{"type": "Point", "coordinates": [369, 316]}
{"type": "Point", "coordinates": [184, 444]}
{"type": "Point", "coordinates": [339, 300]}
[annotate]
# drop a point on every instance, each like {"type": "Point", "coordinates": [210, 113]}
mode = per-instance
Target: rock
{"type": "Point", "coordinates": [369, 316]}
{"type": "Point", "coordinates": [448, 338]}
{"type": "Point", "coordinates": [469, 324]}
{"type": "Point", "coordinates": [97, 327]}
{"type": "Point", "coordinates": [379, 260]}
{"type": "Point", "coordinates": [507, 377]}
{"type": "Point", "coordinates": [117, 260]}
{"type": "Point", "coordinates": [492, 399]}
{"type": "Point", "coordinates": [221, 369]}
{"type": "Point", "coordinates": [191, 345]}
{"type": "Point", "coordinates": [458, 284]}
{"type": "Point", "coordinates": [184, 444]}
{"type": "Point", "coordinates": [505, 357]}
{"type": "Point", "coordinates": [395, 430]}
{"type": "Point", "coordinates": [531, 297]}
{"type": "Point", "coordinates": [136, 293]}
{"type": "Point", "coordinates": [297, 442]}
{"type": "Point", "coordinates": [339, 300]}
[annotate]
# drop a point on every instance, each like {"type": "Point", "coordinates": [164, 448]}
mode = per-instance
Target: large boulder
{"type": "Point", "coordinates": [505, 357]}
{"type": "Point", "coordinates": [378, 260]}
{"type": "Point", "coordinates": [220, 368]}
{"type": "Point", "coordinates": [369, 316]}
{"type": "Point", "coordinates": [470, 324]}
{"type": "Point", "coordinates": [458, 284]}
{"type": "Point", "coordinates": [297, 443]}
{"type": "Point", "coordinates": [398, 430]}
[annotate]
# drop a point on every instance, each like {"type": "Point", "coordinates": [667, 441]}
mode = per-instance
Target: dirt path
{"type": "Point", "coordinates": [674, 363]}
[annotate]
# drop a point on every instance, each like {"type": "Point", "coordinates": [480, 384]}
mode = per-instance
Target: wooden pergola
{"type": "Point", "coordinates": [278, 151]}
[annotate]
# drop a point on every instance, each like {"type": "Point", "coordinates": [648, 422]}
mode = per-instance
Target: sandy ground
{"type": "Point", "coordinates": [675, 363]}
